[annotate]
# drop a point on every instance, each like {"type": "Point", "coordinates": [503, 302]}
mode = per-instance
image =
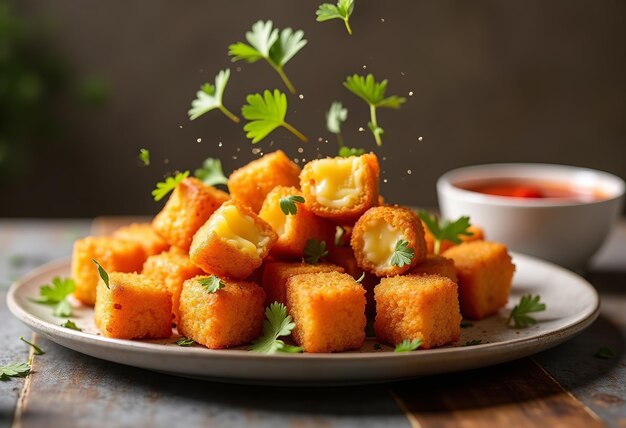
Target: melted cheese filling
{"type": "Point", "coordinates": [276, 218]}
{"type": "Point", "coordinates": [338, 182]}
{"type": "Point", "coordinates": [239, 231]}
{"type": "Point", "coordinates": [380, 242]}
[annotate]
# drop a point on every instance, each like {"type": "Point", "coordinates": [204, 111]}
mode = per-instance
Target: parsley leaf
{"type": "Point", "coordinates": [346, 152]}
{"type": "Point", "coordinates": [144, 157]}
{"type": "Point", "coordinates": [183, 341]}
{"type": "Point", "coordinates": [277, 324]}
{"type": "Point", "coordinates": [605, 353]}
{"type": "Point", "coordinates": [211, 283]}
{"type": "Point", "coordinates": [209, 97]}
{"type": "Point", "coordinates": [14, 370]}
{"type": "Point", "coordinates": [288, 204]}
{"type": "Point", "coordinates": [266, 43]}
{"type": "Point", "coordinates": [342, 10]}
{"type": "Point", "coordinates": [54, 294]}
{"type": "Point", "coordinates": [315, 250]}
{"type": "Point", "coordinates": [211, 172]}
{"type": "Point", "coordinates": [170, 183]}
{"type": "Point", "coordinates": [473, 342]}
{"type": "Point", "coordinates": [402, 254]}
{"type": "Point", "coordinates": [36, 349]}
{"type": "Point", "coordinates": [335, 116]}
{"type": "Point", "coordinates": [266, 113]}
{"type": "Point", "coordinates": [373, 93]}
{"type": "Point", "coordinates": [71, 325]}
{"type": "Point", "coordinates": [445, 230]}
{"type": "Point", "coordinates": [408, 345]}
{"type": "Point", "coordinates": [519, 315]}
{"type": "Point", "coordinates": [103, 273]}
{"type": "Point", "coordinates": [62, 309]}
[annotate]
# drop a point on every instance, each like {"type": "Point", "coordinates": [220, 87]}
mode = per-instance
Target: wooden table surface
{"type": "Point", "coordinates": [565, 386]}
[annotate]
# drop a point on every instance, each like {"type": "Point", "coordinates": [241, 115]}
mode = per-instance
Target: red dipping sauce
{"type": "Point", "coordinates": [533, 189]}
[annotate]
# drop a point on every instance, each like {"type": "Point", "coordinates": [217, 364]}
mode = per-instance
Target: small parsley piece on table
{"type": "Point", "coordinates": [14, 370]}
{"type": "Point", "coordinates": [373, 93]}
{"type": "Point", "coordinates": [288, 204]}
{"type": "Point", "coordinates": [212, 283]}
{"type": "Point", "coordinates": [605, 353]}
{"type": "Point", "coordinates": [183, 341]}
{"type": "Point", "coordinates": [277, 323]}
{"type": "Point", "coordinates": [342, 10]}
{"type": "Point", "coordinates": [144, 157]}
{"type": "Point", "coordinates": [346, 152]}
{"type": "Point", "coordinates": [275, 46]}
{"type": "Point", "coordinates": [266, 112]}
{"type": "Point", "coordinates": [36, 349]}
{"type": "Point", "coordinates": [170, 183]}
{"type": "Point", "coordinates": [211, 172]}
{"type": "Point", "coordinates": [473, 342]}
{"type": "Point", "coordinates": [209, 97]}
{"type": "Point", "coordinates": [103, 273]}
{"type": "Point", "coordinates": [519, 315]}
{"type": "Point", "coordinates": [408, 345]}
{"type": "Point", "coordinates": [402, 254]}
{"type": "Point", "coordinates": [71, 325]}
{"type": "Point", "coordinates": [445, 230]}
{"type": "Point", "coordinates": [314, 250]}
{"type": "Point", "coordinates": [54, 294]}
{"type": "Point", "coordinates": [335, 116]}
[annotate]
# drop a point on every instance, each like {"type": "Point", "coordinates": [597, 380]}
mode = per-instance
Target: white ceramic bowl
{"type": "Point", "coordinates": [563, 231]}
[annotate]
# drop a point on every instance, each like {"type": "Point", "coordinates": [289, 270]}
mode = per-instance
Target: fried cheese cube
{"type": "Point", "coordinates": [485, 273]}
{"type": "Point", "coordinates": [293, 230]}
{"type": "Point", "coordinates": [189, 207]}
{"type": "Point", "coordinates": [379, 237]}
{"type": "Point", "coordinates": [477, 235]}
{"type": "Point", "coordinates": [436, 265]}
{"type": "Point", "coordinates": [230, 316]}
{"type": "Point", "coordinates": [143, 234]}
{"type": "Point", "coordinates": [170, 270]}
{"type": "Point", "coordinates": [113, 254]}
{"type": "Point", "coordinates": [233, 242]}
{"type": "Point", "coordinates": [328, 309]}
{"type": "Point", "coordinates": [422, 307]}
{"type": "Point", "coordinates": [276, 274]}
{"type": "Point", "coordinates": [252, 182]}
{"type": "Point", "coordinates": [133, 307]}
{"type": "Point", "coordinates": [341, 189]}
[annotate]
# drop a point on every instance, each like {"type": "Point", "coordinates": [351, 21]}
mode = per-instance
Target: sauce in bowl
{"type": "Point", "coordinates": [533, 189]}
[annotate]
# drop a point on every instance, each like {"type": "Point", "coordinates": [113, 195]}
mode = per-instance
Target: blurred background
{"type": "Point", "coordinates": [85, 84]}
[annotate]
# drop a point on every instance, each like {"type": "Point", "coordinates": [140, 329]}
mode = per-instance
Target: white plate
{"type": "Point", "coordinates": [572, 305]}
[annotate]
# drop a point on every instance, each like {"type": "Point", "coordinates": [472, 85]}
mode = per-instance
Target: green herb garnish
{"type": "Point", "coordinates": [103, 273]}
{"type": "Point", "coordinates": [342, 10]}
{"type": "Point", "coordinates": [71, 325]}
{"type": "Point", "coordinates": [211, 172]}
{"type": "Point", "coordinates": [266, 113]}
{"type": "Point", "coordinates": [346, 152]}
{"type": "Point", "coordinates": [314, 250]}
{"type": "Point", "coordinates": [335, 116]}
{"type": "Point", "coordinates": [445, 230]}
{"type": "Point", "coordinates": [408, 345]}
{"type": "Point", "coordinates": [473, 342]}
{"type": "Point", "coordinates": [144, 157]}
{"type": "Point", "coordinates": [373, 93]}
{"type": "Point", "coordinates": [605, 353]}
{"type": "Point", "coordinates": [170, 183]}
{"type": "Point", "coordinates": [14, 370]}
{"type": "Point", "coordinates": [183, 341]}
{"type": "Point", "coordinates": [266, 43]}
{"type": "Point", "coordinates": [288, 204]}
{"type": "Point", "coordinates": [277, 323]}
{"type": "Point", "coordinates": [54, 294]}
{"type": "Point", "coordinates": [209, 97]}
{"type": "Point", "coordinates": [402, 254]}
{"type": "Point", "coordinates": [212, 283]}
{"type": "Point", "coordinates": [519, 315]}
{"type": "Point", "coordinates": [36, 349]}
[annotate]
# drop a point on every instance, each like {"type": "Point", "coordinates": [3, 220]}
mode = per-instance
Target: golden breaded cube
{"type": "Point", "coordinates": [422, 307]}
{"type": "Point", "coordinates": [477, 235]}
{"type": "Point", "coordinates": [436, 265]}
{"type": "Point", "coordinates": [328, 309]}
{"type": "Point", "coordinates": [233, 242]}
{"type": "Point", "coordinates": [293, 230]}
{"type": "Point", "coordinates": [252, 182]}
{"type": "Point", "coordinates": [169, 270]}
{"type": "Point", "coordinates": [276, 274]}
{"type": "Point", "coordinates": [485, 273]}
{"type": "Point", "coordinates": [341, 189]}
{"type": "Point", "coordinates": [230, 316]}
{"type": "Point", "coordinates": [377, 234]}
{"type": "Point", "coordinates": [189, 207]}
{"type": "Point", "coordinates": [133, 307]}
{"type": "Point", "coordinates": [143, 234]}
{"type": "Point", "coordinates": [113, 254]}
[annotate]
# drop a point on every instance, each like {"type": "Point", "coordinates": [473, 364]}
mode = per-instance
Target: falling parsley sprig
{"type": "Point", "coordinates": [266, 113]}
{"type": "Point", "coordinates": [408, 345]}
{"type": "Point", "coordinates": [275, 46]}
{"type": "Point", "coordinates": [144, 157]}
{"type": "Point", "coordinates": [36, 349]}
{"type": "Point", "coordinates": [288, 204]}
{"type": "Point", "coordinates": [277, 324]}
{"type": "Point", "coordinates": [55, 294]}
{"type": "Point", "coordinates": [519, 315]}
{"type": "Point", "coordinates": [170, 183]}
{"type": "Point", "coordinates": [103, 273]}
{"type": "Point", "coordinates": [14, 370]}
{"type": "Point", "coordinates": [315, 250]}
{"type": "Point", "coordinates": [335, 116]}
{"type": "Point", "coordinates": [346, 152]}
{"type": "Point", "coordinates": [209, 97]}
{"type": "Point", "coordinates": [211, 172]}
{"type": "Point", "coordinates": [402, 254]}
{"type": "Point", "coordinates": [212, 283]}
{"type": "Point", "coordinates": [342, 10]}
{"type": "Point", "coordinates": [373, 93]}
{"type": "Point", "coordinates": [445, 230]}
